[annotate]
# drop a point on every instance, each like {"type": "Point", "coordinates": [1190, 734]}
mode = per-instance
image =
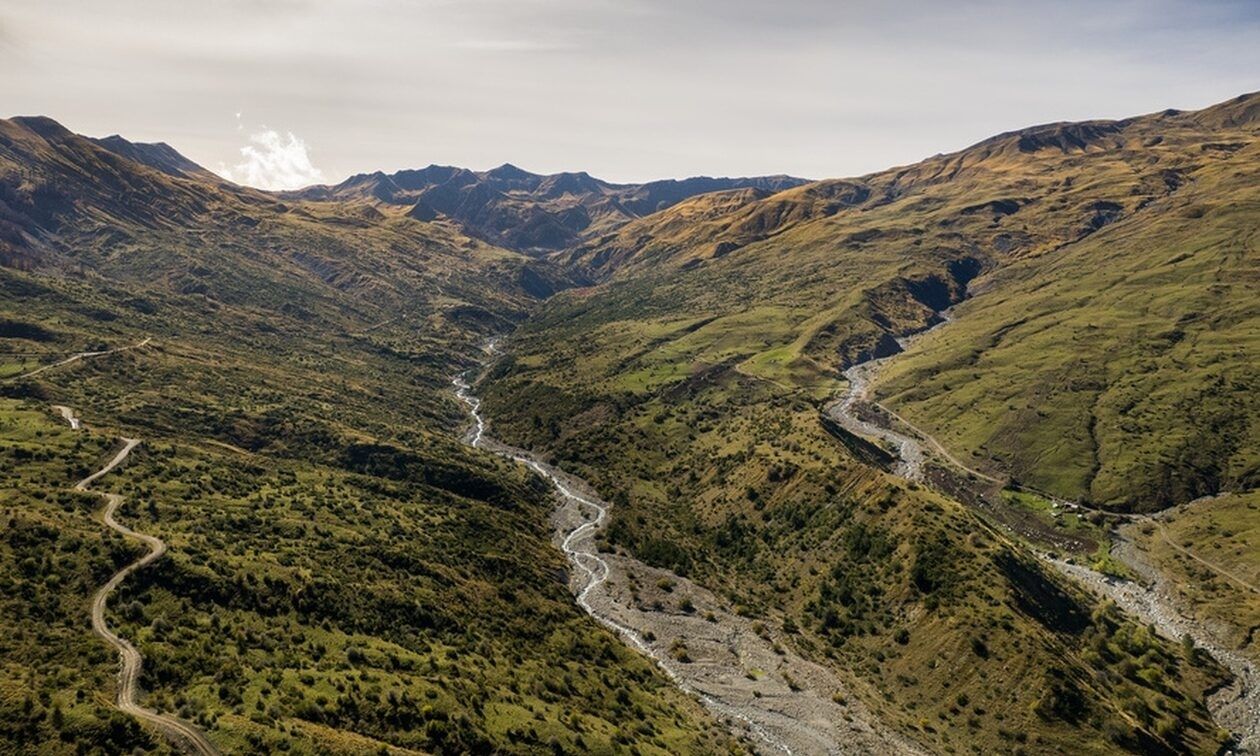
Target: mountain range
{"type": "Point", "coordinates": [910, 442]}
{"type": "Point", "coordinates": [526, 211]}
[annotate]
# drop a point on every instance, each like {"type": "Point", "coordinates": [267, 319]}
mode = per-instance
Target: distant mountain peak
{"type": "Point", "coordinates": [43, 126]}
{"type": "Point", "coordinates": [509, 172]}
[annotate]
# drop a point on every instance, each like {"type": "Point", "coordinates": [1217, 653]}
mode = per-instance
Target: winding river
{"type": "Point", "coordinates": [1235, 707]}
{"type": "Point", "coordinates": [738, 669]}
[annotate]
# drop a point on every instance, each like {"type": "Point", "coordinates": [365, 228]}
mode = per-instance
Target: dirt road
{"type": "Point", "coordinates": [78, 356]}
{"type": "Point", "coordinates": [187, 736]}
{"type": "Point", "coordinates": [132, 661]}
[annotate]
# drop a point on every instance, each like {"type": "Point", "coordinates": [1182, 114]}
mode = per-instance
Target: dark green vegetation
{"type": "Point", "coordinates": [344, 575]}
{"type": "Point", "coordinates": [687, 388]}
{"type": "Point", "coordinates": [918, 603]}
{"type": "Point", "coordinates": [56, 678]}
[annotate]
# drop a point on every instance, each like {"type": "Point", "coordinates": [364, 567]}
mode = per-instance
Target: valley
{"type": "Point", "coordinates": [956, 457]}
{"type": "Point", "coordinates": [687, 390]}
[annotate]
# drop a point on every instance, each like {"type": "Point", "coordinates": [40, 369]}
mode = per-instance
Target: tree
{"type": "Point", "coordinates": [1188, 647]}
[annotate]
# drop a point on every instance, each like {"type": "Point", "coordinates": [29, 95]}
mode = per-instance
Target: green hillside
{"type": "Point", "coordinates": [1104, 352]}
{"type": "Point", "coordinates": [687, 387]}
{"type": "Point", "coordinates": [1122, 371]}
{"type": "Point", "coordinates": [343, 574]}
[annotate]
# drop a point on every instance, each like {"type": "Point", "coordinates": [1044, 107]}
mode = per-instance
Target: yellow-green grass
{"type": "Point", "coordinates": [1118, 372]}
{"type": "Point", "coordinates": [1104, 354]}
{"type": "Point", "coordinates": [393, 628]}
{"type": "Point", "coordinates": [1070, 520]}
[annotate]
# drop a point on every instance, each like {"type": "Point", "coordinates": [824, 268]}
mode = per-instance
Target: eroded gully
{"type": "Point", "coordinates": [1151, 600]}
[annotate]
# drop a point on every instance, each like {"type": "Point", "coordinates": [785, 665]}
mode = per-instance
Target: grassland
{"type": "Point", "coordinates": [1103, 351]}
{"type": "Point", "coordinates": [1118, 373]}
{"type": "Point", "coordinates": [56, 683]}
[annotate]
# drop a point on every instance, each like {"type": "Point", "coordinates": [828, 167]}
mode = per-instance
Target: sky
{"type": "Point", "coordinates": [284, 93]}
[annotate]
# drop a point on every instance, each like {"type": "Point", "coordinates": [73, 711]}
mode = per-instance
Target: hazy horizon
{"type": "Point", "coordinates": [286, 93]}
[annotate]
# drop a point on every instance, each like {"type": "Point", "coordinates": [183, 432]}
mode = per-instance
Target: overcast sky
{"type": "Point", "coordinates": [284, 92]}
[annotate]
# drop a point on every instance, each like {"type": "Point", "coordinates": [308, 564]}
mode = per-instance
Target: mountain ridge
{"type": "Point", "coordinates": [746, 223]}
{"type": "Point", "coordinates": [527, 211]}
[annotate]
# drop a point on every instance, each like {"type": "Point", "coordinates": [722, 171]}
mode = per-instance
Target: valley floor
{"type": "Point", "coordinates": [749, 677]}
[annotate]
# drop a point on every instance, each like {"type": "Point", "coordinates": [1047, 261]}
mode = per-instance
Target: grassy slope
{"type": "Point", "coordinates": [343, 573]}
{"type": "Point", "coordinates": [1084, 373]}
{"type": "Point", "coordinates": [1118, 371]}
{"type": "Point", "coordinates": [686, 388]}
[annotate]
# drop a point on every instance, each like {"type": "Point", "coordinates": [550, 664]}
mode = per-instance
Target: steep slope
{"type": "Point", "coordinates": [1017, 194]}
{"type": "Point", "coordinates": [1076, 226]}
{"type": "Point", "coordinates": [686, 388]}
{"type": "Point", "coordinates": [1120, 369]}
{"type": "Point", "coordinates": [159, 155]}
{"type": "Point", "coordinates": [527, 211]}
{"type": "Point", "coordinates": [342, 575]}
{"type": "Point", "coordinates": [66, 203]}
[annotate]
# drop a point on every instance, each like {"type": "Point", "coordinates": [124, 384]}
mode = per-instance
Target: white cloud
{"type": "Point", "coordinates": [273, 161]}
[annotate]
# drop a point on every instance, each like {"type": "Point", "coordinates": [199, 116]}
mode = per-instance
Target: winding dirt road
{"type": "Point", "coordinates": [79, 356]}
{"type": "Point", "coordinates": [187, 736]}
{"type": "Point", "coordinates": [1158, 522]}
{"type": "Point", "coordinates": [131, 660]}
{"type": "Point", "coordinates": [735, 667]}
